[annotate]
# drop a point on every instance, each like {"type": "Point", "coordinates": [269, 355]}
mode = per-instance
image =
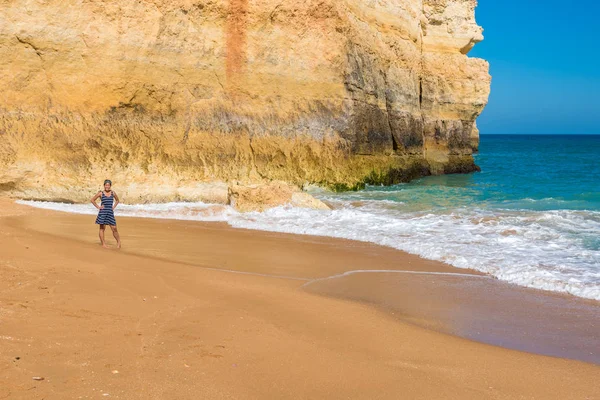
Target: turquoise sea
{"type": "Point", "coordinates": [518, 172]}
{"type": "Point", "coordinates": [531, 217]}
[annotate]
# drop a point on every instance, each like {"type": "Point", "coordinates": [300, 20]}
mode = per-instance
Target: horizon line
{"type": "Point", "coordinates": [540, 134]}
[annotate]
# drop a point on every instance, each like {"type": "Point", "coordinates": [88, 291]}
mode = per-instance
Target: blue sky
{"type": "Point", "coordinates": [544, 59]}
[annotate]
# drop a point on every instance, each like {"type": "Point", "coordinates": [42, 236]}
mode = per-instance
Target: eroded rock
{"type": "Point", "coordinates": [259, 197]}
{"type": "Point", "coordinates": [161, 95]}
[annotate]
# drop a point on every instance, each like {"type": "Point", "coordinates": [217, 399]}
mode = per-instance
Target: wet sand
{"type": "Point", "coordinates": [480, 308]}
{"type": "Point", "coordinates": [197, 310]}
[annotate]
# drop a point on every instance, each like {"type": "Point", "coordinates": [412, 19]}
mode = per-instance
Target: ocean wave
{"type": "Point", "coordinates": [176, 210]}
{"type": "Point", "coordinates": [547, 203]}
{"type": "Point", "coordinates": [555, 250]}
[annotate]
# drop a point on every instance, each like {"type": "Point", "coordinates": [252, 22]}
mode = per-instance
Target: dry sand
{"type": "Point", "coordinates": [163, 319]}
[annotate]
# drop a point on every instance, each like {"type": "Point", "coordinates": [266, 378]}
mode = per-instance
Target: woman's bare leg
{"type": "Point", "coordinates": [116, 235]}
{"type": "Point", "coordinates": [101, 235]}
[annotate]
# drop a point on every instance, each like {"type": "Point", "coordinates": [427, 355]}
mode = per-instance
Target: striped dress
{"type": "Point", "coordinates": [106, 215]}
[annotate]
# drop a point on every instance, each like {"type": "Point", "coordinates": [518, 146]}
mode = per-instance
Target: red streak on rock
{"type": "Point", "coordinates": [236, 38]}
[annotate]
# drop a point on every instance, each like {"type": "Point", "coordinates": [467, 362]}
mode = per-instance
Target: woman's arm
{"type": "Point", "coordinates": [93, 200]}
{"type": "Point", "coordinates": [116, 200]}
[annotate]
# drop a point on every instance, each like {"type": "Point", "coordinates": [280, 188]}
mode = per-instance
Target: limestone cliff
{"type": "Point", "coordinates": [166, 96]}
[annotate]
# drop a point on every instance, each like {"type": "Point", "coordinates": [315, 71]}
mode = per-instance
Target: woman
{"type": "Point", "coordinates": [106, 216]}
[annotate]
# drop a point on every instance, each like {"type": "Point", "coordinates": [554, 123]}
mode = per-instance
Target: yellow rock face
{"type": "Point", "coordinates": [170, 97]}
{"type": "Point", "coordinates": [259, 197]}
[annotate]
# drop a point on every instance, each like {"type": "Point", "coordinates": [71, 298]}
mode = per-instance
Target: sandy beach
{"type": "Point", "coordinates": [190, 310]}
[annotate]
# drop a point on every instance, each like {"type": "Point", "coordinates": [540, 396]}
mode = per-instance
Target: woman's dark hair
{"type": "Point", "coordinates": [108, 181]}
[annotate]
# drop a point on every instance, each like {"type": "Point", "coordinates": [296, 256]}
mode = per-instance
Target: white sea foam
{"type": "Point", "coordinates": [550, 250]}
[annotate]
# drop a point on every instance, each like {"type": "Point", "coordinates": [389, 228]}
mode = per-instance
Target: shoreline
{"type": "Point", "coordinates": [210, 212]}
{"type": "Point", "coordinates": [425, 267]}
{"type": "Point", "coordinates": [267, 316]}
